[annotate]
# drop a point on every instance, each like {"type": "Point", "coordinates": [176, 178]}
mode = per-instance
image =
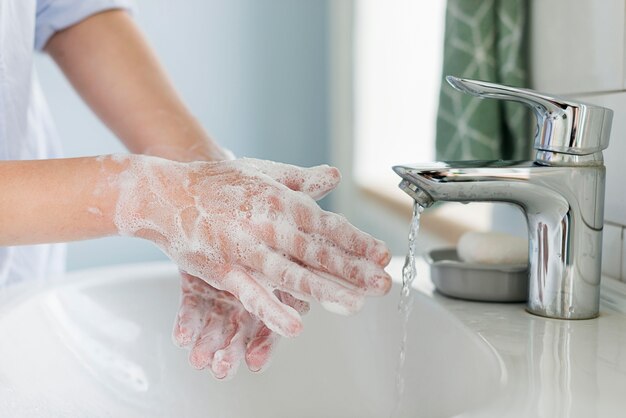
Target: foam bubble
{"type": "Point", "coordinates": [335, 307]}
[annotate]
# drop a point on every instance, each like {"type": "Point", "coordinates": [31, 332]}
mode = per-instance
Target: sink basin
{"type": "Point", "coordinates": [98, 344]}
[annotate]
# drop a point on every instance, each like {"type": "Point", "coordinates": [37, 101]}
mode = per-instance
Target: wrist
{"type": "Point", "coordinates": [150, 197]}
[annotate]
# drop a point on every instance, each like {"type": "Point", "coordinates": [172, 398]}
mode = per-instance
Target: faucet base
{"type": "Point", "coordinates": [565, 318]}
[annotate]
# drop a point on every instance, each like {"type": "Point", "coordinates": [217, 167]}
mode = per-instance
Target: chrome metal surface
{"type": "Point", "coordinates": [561, 196]}
{"type": "Point", "coordinates": [563, 126]}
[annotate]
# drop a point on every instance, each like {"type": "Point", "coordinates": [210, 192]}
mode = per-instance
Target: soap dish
{"type": "Point", "coordinates": [478, 282]}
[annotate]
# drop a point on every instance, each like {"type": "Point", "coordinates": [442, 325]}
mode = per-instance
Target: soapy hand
{"type": "Point", "coordinates": [243, 228]}
{"type": "Point", "coordinates": [220, 332]}
{"type": "Point", "coordinates": [220, 335]}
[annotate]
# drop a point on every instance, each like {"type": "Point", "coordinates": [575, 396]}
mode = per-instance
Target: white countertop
{"type": "Point", "coordinates": [549, 367]}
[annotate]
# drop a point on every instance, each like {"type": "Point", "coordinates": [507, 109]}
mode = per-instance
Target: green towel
{"type": "Point", "coordinates": [484, 40]}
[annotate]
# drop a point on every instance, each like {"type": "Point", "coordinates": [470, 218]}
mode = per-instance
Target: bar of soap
{"type": "Point", "coordinates": [492, 248]}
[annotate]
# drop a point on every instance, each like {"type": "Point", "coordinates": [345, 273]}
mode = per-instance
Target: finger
{"type": "Point", "coordinates": [262, 303]}
{"type": "Point", "coordinates": [316, 181]}
{"type": "Point", "coordinates": [226, 360]}
{"type": "Point", "coordinates": [309, 218]}
{"type": "Point", "coordinates": [318, 253]}
{"type": "Point", "coordinates": [337, 229]}
{"type": "Point", "coordinates": [299, 305]}
{"type": "Point", "coordinates": [259, 349]}
{"type": "Point", "coordinates": [191, 314]}
{"type": "Point", "coordinates": [286, 275]}
{"type": "Point", "coordinates": [213, 337]}
{"type": "Point", "coordinates": [197, 286]}
{"type": "Point", "coordinates": [190, 320]}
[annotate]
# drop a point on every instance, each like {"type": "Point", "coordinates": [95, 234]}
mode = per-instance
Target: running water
{"type": "Point", "coordinates": [406, 302]}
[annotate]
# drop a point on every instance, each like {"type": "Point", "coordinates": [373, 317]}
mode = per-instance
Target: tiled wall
{"type": "Point", "coordinates": [579, 50]}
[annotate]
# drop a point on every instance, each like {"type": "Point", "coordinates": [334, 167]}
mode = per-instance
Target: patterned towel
{"type": "Point", "coordinates": [484, 40]}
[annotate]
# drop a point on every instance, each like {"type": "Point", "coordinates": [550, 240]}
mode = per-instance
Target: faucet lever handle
{"type": "Point", "coordinates": [563, 126]}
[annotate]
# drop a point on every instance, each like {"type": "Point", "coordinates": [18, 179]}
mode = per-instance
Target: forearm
{"type": "Point", "coordinates": [57, 200]}
{"type": "Point", "coordinates": [109, 63]}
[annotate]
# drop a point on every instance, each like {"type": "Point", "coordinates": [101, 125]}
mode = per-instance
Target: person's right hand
{"type": "Point", "coordinates": [243, 227]}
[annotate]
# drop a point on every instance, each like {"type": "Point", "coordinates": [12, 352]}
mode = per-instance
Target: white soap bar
{"type": "Point", "coordinates": [492, 248]}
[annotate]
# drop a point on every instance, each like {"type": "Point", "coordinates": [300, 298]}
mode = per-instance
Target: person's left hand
{"type": "Point", "coordinates": [220, 332]}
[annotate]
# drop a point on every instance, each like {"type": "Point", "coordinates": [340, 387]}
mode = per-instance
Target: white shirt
{"type": "Point", "coordinates": [26, 128]}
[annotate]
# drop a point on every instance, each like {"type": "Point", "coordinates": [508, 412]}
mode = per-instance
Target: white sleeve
{"type": "Point", "coordinates": [56, 15]}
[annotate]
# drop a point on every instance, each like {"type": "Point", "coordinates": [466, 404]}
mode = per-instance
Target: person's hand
{"type": "Point", "coordinates": [220, 333]}
{"type": "Point", "coordinates": [243, 226]}
{"type": "Point", "coordinates": [215, 326]}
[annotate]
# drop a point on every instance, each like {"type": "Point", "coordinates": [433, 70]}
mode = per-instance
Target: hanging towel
{"type": "Point", "coordinates": [484, 40]}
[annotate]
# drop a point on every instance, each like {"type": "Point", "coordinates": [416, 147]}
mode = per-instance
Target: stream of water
{"type": "Point", "coordinates": [406, 303]}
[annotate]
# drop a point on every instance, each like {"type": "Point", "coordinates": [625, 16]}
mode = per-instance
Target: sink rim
{"type": "Point", "coordinates": [91, 280]}
{"type": "Point", "coordinates": [514, 338]}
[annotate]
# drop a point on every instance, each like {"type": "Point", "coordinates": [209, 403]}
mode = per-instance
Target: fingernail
{"type": "Point", "coordinates": [254, 365]}
{"type": "Point", "coordinates": [220, 371]}
{"type": "Point", "coordinates": [333, 172]}
{"type": "Point", "coordinates": [199, 359]}
{"type": "Point", "coordinates": [381, 255]}
{"type": "Point", "coordinates": [258, 357]}
{"type": "Point", "coordinates": [379, 285]}
{"type": "Point", "coordinates": [182, 337]}
{"type": "Point", "coordinates": [294, 328]}
{"type": "Point", "coordinates": [286, 326]}
{"type": "Point", "coordinates": [221, 368]}
{"type": "Point", "coordinates": [333, 175]}
{"type": "Point", "coordinates": [321, 180]}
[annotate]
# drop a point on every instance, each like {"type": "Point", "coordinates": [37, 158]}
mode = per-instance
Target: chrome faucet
{"type": "Point", "coordinates": [561, 194]}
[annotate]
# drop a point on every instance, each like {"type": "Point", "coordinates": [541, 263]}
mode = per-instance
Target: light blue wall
{"type": "Point", "coordinates": [253, 72]}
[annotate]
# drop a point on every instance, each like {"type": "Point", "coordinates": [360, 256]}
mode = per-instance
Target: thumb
{"type": "Point", "coordinates": [316, 181]}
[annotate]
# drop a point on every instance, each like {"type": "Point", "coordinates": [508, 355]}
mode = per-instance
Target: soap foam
{"type": "Point", "coordinates": [208, 218]}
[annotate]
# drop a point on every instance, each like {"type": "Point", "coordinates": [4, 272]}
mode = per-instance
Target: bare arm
{"type": "Point", "coordinates": [56, 200]}
{"type": "Point", "coordinates": [109, 63]}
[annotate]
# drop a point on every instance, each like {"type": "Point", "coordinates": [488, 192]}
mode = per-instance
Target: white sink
{"type": "Point", "coordinates": [98, 344]}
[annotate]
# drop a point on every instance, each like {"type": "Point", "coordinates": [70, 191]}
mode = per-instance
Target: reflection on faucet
{"type": "Point", "coordinates": [561, 194]}
{"type": "Point", "coordinates": [562, 355]}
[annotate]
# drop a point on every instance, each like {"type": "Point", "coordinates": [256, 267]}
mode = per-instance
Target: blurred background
{"type": "Point", "coordinates": [275, 80]}
{"type": "Point", "coordinates": [254, 73]}
{"type": "Point", "coordinates": [358, 84]}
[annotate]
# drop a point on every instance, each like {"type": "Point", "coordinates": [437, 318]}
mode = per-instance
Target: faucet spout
{"type": "Point", "coordinates": [563, 207]}
{"type": "Point", "coordinates": [418, 194]}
